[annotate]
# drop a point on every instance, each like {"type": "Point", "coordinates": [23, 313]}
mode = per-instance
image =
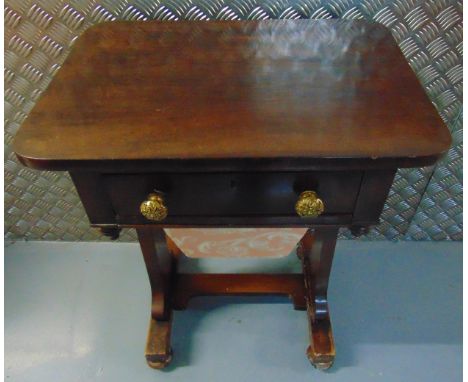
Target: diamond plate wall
{"type": "Point", "coordinates": [423, 203]}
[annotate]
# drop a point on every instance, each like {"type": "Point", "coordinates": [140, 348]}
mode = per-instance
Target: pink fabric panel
{"type": "Point", "coordinates": [236, 242]}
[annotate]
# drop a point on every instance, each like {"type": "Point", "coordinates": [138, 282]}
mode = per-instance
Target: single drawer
{"type": "Point", "coordinates": [199, 195]}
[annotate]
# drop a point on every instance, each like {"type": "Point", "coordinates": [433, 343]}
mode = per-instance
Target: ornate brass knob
{"type": "Point", "coordinates": [309, 205]}
{"type": "Point", "coordinates": [153, 208]}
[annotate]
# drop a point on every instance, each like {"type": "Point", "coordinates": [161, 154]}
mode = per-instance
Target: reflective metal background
{"type": "Point", "coordinates": [423, 203]}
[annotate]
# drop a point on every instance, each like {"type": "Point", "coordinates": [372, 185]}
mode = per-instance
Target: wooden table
{"type": "Point", "coordinates": [234, 124]}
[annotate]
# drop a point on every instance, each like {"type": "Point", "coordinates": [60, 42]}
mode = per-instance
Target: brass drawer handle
{"type": "Point", "coordinates": [309, 205]}
{"type": "Point", "coordinates": [153, 208]}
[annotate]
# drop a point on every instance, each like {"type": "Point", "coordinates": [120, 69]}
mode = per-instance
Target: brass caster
{"type": "Point", "coordinates": [159, 361]}
{"type": "Point", "coordinates": [320, 361]}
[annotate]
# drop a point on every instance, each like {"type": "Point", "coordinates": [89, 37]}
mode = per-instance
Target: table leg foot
{"type": "Point", "coordinates": [158, 351]}
{"type": "Point", "coordinates": [321, 351]}
{"type": "Point", "coordinates": [320, 361]}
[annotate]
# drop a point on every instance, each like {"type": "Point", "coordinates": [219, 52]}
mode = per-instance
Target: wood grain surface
{"type": "Point", "coordinates": [284, 89]}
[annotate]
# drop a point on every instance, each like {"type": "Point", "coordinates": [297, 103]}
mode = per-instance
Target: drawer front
{"type": "Point", "coordinates": [231, 194]}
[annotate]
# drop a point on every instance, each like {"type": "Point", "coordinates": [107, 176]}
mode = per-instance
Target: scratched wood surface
{"type": "Point", "coordinates": [215, 90]}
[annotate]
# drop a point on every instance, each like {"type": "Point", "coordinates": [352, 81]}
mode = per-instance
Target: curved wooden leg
{"type": "Point", "coordinates": [316, 251]}
{"type": "Point", "coordinates": [160, 255]}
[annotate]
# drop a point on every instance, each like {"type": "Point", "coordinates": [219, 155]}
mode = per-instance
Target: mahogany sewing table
{"type": "Point", "coordinates": [234, 124]}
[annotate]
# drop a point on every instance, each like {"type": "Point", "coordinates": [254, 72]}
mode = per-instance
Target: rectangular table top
{"type": "Point", "coordinates": [284, 90]}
